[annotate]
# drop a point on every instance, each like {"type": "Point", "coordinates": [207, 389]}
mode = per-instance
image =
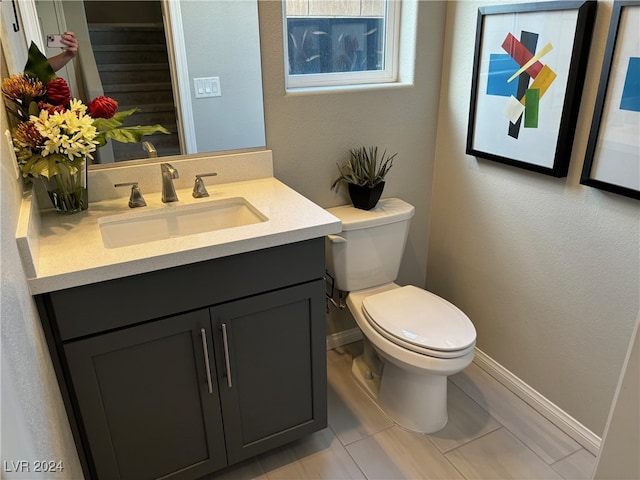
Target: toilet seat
{"type": "Point", "coordinates": [420, 321]}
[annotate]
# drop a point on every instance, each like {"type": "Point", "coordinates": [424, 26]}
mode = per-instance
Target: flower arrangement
{"type": "Point", "coordinates": [54, 134]}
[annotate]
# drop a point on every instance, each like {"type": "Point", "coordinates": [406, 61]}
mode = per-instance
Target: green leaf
{"type": "Point", "coordinates": [28, 166]}
{"type": "Point", "coordinates": [101, 139]}
{"type": "Point", "coordinates": [122, 116]}
{"type": "Point", "coordinates": [134, 134]}
{"type": "Point", "coordinates": [50, 166]}
{"type": "Point", "coordinates": [112, 128]}
{"type": "Point", "coordinates": [364, 168]}
{"type": "Point", "coordinates": [38, 66]}
{"type": "Point", "coordinates": [33, 109]}
{"type": "Point", "coordinates": [106, 124]}
{"type": "Point", "coordinates": [39, 166]}
{"type": "Point", "coordinates": [18, 113]}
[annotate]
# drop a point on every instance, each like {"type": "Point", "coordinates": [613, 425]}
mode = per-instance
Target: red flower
{"type": "Point", "coordinates": [50, 108]}
{"type": "Point", "coordinates": [102, 107]}
{"type": "Point", "coordinates": [58, 92]}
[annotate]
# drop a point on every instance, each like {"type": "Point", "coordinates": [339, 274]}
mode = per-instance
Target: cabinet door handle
{"type": "Point", "coordinates": [227, 363]}
{"type": "Point", "coordinates": [207, 366]}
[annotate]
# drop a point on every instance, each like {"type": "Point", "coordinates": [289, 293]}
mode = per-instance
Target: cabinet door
{"type": "Point", "coordinates": [147, 406]}
{"type": "Point", "coordinates": [271, 359]}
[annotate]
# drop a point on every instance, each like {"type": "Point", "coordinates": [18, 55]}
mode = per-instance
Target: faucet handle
{"type": "Point", "coordinates": [136, 199]}
{"type": "Point", "coordinates": [199, 190]}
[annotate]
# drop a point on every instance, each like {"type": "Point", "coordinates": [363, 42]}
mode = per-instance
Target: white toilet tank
{"type": "Point", "coordinates": [368, 251]}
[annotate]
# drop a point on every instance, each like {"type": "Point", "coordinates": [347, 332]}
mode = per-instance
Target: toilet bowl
{"type": "Point", "coordinates": [420, 337]}
{"type": "Point", "coordinates": [412, 389]}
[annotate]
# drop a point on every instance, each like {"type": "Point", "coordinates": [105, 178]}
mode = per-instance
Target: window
{"type": "Point", "coordinates": [331, 43]}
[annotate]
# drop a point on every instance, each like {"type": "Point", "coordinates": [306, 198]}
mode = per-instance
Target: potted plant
{"type": "Point", "coordinates": [364, 175]}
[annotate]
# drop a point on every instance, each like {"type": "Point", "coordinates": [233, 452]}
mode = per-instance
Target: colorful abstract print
{"type": "Point", "coordinates": [519, 76]}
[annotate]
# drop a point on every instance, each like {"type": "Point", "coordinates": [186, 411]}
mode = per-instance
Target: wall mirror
{"type": "Point", "coordinates": [191, 65]}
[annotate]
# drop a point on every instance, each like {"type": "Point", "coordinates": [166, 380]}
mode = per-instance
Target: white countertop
{"type": "Point", "coordinates": [65, 251]}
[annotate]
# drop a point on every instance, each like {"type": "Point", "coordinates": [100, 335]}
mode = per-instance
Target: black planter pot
{"type": "Point", "coordinates": [365, 198]}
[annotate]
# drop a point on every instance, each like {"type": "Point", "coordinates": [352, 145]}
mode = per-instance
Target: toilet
{"type": "Point", "coordinates": [413, 339]}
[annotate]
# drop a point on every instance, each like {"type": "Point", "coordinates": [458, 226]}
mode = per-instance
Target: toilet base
{"type": "Point", "coordinates": [365, 377]}
{"type": "Point", "coordinates": [414, 402]}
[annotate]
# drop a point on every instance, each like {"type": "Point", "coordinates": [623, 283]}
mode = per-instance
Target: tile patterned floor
{"type": "Point", "coordinates": [491, 434]}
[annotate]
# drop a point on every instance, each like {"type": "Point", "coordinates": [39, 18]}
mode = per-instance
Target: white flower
{"type": "Point", "coordinates": [70, 133]}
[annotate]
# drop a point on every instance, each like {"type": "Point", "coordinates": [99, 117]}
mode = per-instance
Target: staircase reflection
{"type": "Point", "coordinates": [133, 65]}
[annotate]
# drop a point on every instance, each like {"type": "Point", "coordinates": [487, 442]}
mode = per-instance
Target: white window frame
{"type": "Point", "coordinates": [336, 79]}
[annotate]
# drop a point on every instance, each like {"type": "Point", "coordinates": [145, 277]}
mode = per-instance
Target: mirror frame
{"type": "Point", "coordinates": [179, 75]}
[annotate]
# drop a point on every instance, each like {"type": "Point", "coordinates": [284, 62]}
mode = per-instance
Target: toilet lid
{"type": "Point", "coordinates": [420, 318]}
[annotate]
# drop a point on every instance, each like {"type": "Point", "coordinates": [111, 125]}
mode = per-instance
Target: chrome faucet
{"type": "Point", "coordinates": [168, 189]}
{"type": "Point", "coordinates": [150, 149]}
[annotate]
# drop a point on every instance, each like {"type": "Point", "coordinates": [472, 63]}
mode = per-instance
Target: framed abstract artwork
{"type": "Point", "coordinates": [529, 66]}
{"type": "Point", "coordinates": [612, 160]}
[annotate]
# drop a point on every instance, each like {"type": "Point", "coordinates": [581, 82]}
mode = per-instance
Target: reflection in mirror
{"type": "Point", "coordinates": [192, 66]}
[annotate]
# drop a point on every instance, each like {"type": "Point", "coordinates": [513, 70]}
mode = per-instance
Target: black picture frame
{"type": "Point", "coordinates": [612, 158]}
{"type": "Point", "coordinates": [559, 31]}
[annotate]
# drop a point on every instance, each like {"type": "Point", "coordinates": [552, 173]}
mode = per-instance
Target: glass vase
{"type": "Point", "coordinates": [68, 191]}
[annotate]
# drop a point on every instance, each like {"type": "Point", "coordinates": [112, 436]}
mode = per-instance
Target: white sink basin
{"type": "Point", "coordinates": [142, 226]}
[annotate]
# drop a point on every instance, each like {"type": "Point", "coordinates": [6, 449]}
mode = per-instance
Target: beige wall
{"type": "Point", "coordinates": [310, 133]}
{"type": "Point", "coordinates": [546, 269]}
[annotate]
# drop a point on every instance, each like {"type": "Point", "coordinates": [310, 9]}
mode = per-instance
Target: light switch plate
{"type": "Point", "coordinates": [207, 87]}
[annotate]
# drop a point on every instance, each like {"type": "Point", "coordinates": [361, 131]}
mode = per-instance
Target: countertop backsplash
{"type": "Point", "coordinates": [232, 167]}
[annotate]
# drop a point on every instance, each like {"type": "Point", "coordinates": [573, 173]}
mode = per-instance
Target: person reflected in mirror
{"type": "Point", "coordinates": [68, 53]}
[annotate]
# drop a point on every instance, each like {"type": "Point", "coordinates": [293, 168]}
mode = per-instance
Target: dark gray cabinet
{"type": "Point", "coordinates": [235, 366]}
{"type": "Point", "coordinates": [266, 368]}
{"type": "Point", "coordinates": [143, 398]}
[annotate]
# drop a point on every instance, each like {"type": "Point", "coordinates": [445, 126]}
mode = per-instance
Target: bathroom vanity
{"type": "Point", "coordinates": [203, 351]}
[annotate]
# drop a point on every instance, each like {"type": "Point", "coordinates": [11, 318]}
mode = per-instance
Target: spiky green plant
{"type": "Point", "coordinates": [363, 167]}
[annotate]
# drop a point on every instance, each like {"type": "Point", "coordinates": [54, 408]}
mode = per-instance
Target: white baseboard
{"type": "Point", "coordinates": [561, 419]}
{"type": "Point", "coordinates": [344, 337]}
